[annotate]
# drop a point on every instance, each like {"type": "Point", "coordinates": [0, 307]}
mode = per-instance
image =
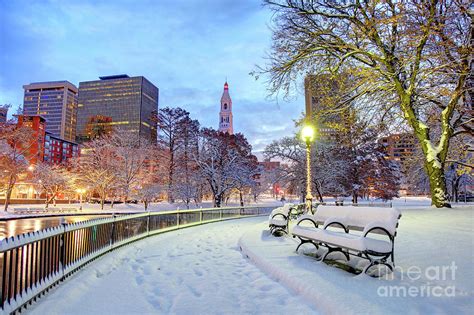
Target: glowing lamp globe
{"type": "Point", "coordinates": [307, 134]}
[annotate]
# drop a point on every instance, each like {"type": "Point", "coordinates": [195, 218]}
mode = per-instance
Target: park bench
{"type": "Point", "coordinates": [27, 210]}
{"type": "Point", "coordinates": [20, 210]}
{"type": "Point", "coordinates": [278, 219]}
{"type": "Point", "coordinates": [69, 209]}
{"type": "Point", "coordinates": [338, 228]}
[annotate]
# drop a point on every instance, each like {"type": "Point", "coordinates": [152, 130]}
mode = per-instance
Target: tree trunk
{"type": "Point", "coordinates": [217, 201]}
{"type": "Point", "coordinates": [456, 188]}
{"type": "Point", "coordinates": [11, 183]}
{"type": "Point", "coordinates": [241, 198]}
{"type": "Point", "coordinates": [146, 205]}
{"type": "Point", "coordinates": [437, 184]}
{"type": "Point", "coordinates": [102, 200]}
{"type": "Point", "coordinates": [354, 197]}
{"type": "Point", "coordinates": [318, 191]}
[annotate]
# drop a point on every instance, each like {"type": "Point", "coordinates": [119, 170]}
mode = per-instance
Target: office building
{"type": "Point", "coordinates": [117, 102]}
{"type": "Point", "coordinates": [399, 147]}
{"type": "Point", "coordinates": [323, 105]}
{"type": "Point", "coordinates": [57, 103]}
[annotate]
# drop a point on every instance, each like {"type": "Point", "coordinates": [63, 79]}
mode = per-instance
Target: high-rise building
{"type": "Point", "coordinates": [225, 114]}
{"type": "Point", "coordinates": [3, 114]}
{"type": "Point", "coordinates": [322, 96]}
{"type": "Point", "coordinates": [57, 103]}
{"type": "Point", "coordinates": [399, 147]}
{"type": "Point", "coordinates": [117, 102]}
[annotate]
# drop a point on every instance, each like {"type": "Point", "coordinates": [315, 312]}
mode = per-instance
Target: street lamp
{"type": "Point", "coordinates": [307, 135]}
{"type": "Point", "coordinates": [80, 191]}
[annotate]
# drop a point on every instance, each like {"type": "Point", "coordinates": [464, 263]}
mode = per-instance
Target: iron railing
{"type": "Point", "coordinates": [33, 262]}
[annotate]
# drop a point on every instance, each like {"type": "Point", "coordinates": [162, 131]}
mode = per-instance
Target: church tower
{"type": "Point", "coordinates": [225, 115]}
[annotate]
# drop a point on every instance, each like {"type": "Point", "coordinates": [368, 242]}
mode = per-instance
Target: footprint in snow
{"type": "Point", "coordinates": [198, 272]}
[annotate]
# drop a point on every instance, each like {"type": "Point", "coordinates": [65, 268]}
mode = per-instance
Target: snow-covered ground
{"type": "Point", "coordinates": [202, 270]}
{"type": "Point", "coordinates": [198, 270]}
{"type": "Point", "coordinates": [434, 254]}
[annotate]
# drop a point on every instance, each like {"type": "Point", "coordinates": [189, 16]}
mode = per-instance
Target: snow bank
{"type": "Point", "coordinates": [434, 256]}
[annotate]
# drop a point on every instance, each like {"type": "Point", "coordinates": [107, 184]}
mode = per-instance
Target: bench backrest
{"type": "Point", "coordinates": [285, 209]}
{"type": "Point", "coordinates": [20, 209]}
{"type": "Point", "coordinates": [360, 217]}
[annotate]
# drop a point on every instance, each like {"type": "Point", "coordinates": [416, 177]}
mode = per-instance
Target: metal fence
{"type": "Point", "coordinates": [33, 262]}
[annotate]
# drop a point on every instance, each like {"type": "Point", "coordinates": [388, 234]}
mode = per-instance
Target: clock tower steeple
{"type": "Point", "coordinates": [225, 115]}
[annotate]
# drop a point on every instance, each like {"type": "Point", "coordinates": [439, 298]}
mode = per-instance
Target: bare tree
{"type": "Point", "coordinates": [15, 150]}
{"type": "Point", "coordinates": [148, 192]}
{"type": "Point", "coordinates": [51, 179]}
{"type": "Point", "coordinates": [131, 154]}
{"type": "Point", "coordinates": [218, 160]}
{"type": "Point", "coordinates": [245, 176]}
{"type": "Point", "coordinates": [97, 167]}
{"type": "Point", "coordinates": [172, 122]}
{"type": "Point", "coordinates": [405, 58]}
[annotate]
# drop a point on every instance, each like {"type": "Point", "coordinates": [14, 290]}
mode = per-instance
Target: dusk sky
{"type": "Point", "coordinates": [187, 48]}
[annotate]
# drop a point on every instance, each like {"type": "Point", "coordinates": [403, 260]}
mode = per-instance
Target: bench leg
{"type": "Point", "coordinates": [274, 229]}
{"type": "Point", "coordinates": [304, 242]}
{"type": "Point", "coordinates": [334, 249]}
{"type": "Point", "coordinates": [379, 261]}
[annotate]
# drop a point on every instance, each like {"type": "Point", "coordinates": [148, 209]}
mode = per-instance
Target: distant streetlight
{"type": "Point", "coordinates": [307, 135]}
{"type": "Point", "coordinates": [31, 168]}
{"type": "Point", "coordinates": [80, 191]}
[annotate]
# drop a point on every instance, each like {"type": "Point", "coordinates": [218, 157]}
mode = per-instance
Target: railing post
{"type": "Point", "coordinates": [113, 231]}
{"type": "Point", "coordinates": [200, 216]}
{"type": "Point", "coordinates": [62, 250]}
{"type": "Point", "coordinates": [177, 219]}
{"type": "Point", "coordinates": [148, 224]}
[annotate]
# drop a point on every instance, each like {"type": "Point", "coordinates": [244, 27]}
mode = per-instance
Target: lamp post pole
{"type": "Point", "coordinates": [80, 192]}
{"type": "Point", "coordinates": [309, 196]}
{"type": "Point", "coordinates": [307, 134]}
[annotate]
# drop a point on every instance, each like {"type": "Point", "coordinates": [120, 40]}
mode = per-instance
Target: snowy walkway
{"type": "Point", "coordinates": [199, 270]}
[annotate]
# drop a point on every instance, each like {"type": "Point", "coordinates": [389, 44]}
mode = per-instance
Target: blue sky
{"type": "Point", "coordinates": [186, 48]}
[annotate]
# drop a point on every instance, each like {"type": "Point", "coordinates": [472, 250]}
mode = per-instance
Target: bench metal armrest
{"type": "Point", "coordinates": [392, 237]}
{"type": "Point", "coordinates": [280, 214]}
{"type": "Point", "coordinates": [331, 223]}
{"type": "Point", "coordinates": [307, 219]}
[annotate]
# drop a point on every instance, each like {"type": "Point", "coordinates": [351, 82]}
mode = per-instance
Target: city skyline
{"type": "Point", "coordinates": [187, 56]}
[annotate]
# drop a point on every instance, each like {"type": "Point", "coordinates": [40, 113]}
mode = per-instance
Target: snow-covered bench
{"type": "Point", "coordinates": [27, 210]}
{"type": "Point", "coordinates": [278, 219]}
{"type": "Point", "coordinates": [369, 220]}
{"type": "Point", "coordinates": [69, 209]}
{"type": "Point", "coordinates": [20, 210]}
